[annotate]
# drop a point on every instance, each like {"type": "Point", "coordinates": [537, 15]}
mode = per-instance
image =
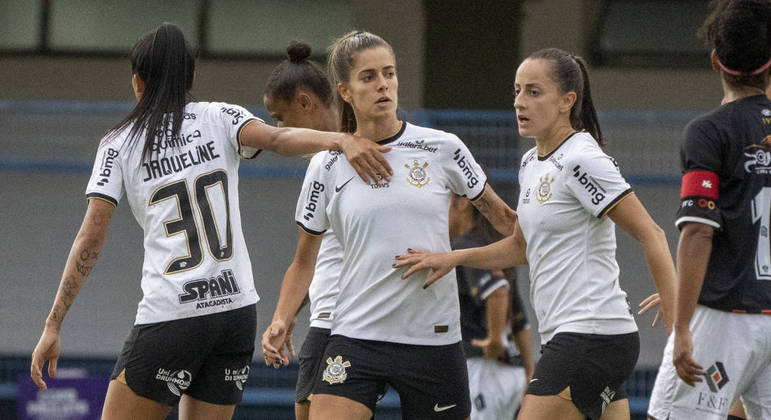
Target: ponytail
{"type": "Point", "coordinates": [570, 73]}
{"type": "Point", "coordinates": [166, 64]}
{"type": "Point", "coordinates": [586, 114]}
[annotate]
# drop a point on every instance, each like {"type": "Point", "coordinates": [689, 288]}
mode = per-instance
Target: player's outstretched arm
{"type": "Point", "coordinates": [85, 250]}
{"type": "Point", "coordinates": [294, 288]}
{"type": "Point", "coordinates": [630, 215]}
{"type": "Point", "coordinates": [365, 156]}
{"type": "Point", "coordinates": [507, 252]}
{"type": "Point", "coordinates": [496, 211]}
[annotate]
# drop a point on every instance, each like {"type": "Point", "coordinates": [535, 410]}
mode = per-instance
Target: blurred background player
{"type": "Point", "coordinates": [177, 162]}
{"type": "Point", "coordinates": [567, 187]}
{"type": "Point", "coordinates": [724, 263]}
{"type": "Point", "coordinates": [498, 371]}
{"type": "Point", "coordinates": [387, 330]}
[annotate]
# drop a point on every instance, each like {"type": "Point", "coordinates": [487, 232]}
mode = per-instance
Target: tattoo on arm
{"type": "Point", "coordinates": [69, 289]}
{"type": "Point", "coordinates": [496, 211]}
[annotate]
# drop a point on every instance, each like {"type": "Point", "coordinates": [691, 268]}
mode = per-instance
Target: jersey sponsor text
{"type": "Point", "coordinates": [216, 287]}
{"type": "Point", "coordinates": [591, 185]}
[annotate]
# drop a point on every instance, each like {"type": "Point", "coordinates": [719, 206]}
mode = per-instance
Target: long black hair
{"type": "Point", "coordinates": [166, 64]}
{"type": "Point", "coordinates": [570, 73]}
{"type": "Point", "coordinates": [297, 71]}
{"type": "Point", "coordinates": [740, 33]}
{"type": "Point", "coordinates": [340, 62]}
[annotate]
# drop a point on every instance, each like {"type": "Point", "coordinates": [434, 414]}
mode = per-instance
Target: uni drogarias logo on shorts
{"type": "Point", "coordinates": [335, 371]}
{"type": "Point", "coordinates": [237, 376]}
{"type": "Point", "coordinates": [543, 192]}
{"type": "Point", "coordinates": [418, 176]}
{"type": "Point", "coordinates": [177, 381]}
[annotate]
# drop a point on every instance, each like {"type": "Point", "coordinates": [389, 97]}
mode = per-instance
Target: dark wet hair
{"type": "Point", "coordinates": [570, 73]}
{"type": "Point", "coordinates": [166, 63]}
{"type": "Point", "coordinates": [298, 72]}
{"type": "Point", "coordinates": [740, 33]}
{"type": "Point", "coordinates": [340, 61]}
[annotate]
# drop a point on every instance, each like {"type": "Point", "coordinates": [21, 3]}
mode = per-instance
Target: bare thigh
{"type": "Point", "coordinates": [548, 407]}
{"type": "Point", "coordinates": [333, 407]}
{"type": "Point", "coordinates": [617, 410]}
{"type": "Point", "coordinates": [122, 403]}
{"type": "Point", "coordinates": [193, 409]}
{"type": "Point", "coordinates": [302, 410]}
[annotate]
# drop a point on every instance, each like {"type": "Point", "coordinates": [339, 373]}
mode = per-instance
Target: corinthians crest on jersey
{"type": "Point", "coordinates": [543, 192]}
{"type": "Point", "coordinates": [335, 371]}
{"type": "Point", "coordinates": [418, 175]}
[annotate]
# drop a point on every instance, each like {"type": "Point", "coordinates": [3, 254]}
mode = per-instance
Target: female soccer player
{"type": "Point", "coordinates": [298, 94]}
{"type": "Point", "coordinates": [386, 329]}
{"type": "Point", "coordinates": [571, 194]}
{"type": "Point", "coordinates": [177, 162]}
{"type": "Point", "coordinates": [724, 264]}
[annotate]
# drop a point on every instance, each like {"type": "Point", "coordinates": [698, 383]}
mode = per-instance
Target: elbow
{"type": "Point", "coordinates": [653, 235]}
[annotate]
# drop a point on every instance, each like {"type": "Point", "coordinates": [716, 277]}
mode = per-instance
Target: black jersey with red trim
{"type": "Point", "coordinates": [474, 287]}
{"type": "Point", "coordinates": [726, 162]}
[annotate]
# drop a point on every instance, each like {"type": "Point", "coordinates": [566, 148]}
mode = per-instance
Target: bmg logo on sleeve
{"type": "Point", "coordinates": [468, 171]}
{"type": "Point", "coordinates": [595, 190]}
{"type": "Point", "coordinates": [313, 199]}
{"type": "Point", "coordinates": [105, 169]}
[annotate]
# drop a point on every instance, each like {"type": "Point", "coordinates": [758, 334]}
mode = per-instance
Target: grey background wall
{"type": "Point", "coordinates": [41, 211]}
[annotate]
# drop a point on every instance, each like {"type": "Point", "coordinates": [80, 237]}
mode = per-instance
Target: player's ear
{"type": "Point", "coordinates": [345, 93]}
{"type": "Point", "coordinates": [305, 101]}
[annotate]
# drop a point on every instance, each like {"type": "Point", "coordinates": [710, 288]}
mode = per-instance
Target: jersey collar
{"type": "Point", "coordinates": [542, 158]}
{"type": "Point", "coordinates": [395, 136]}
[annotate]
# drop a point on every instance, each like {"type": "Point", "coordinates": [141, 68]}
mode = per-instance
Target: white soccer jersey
{"type": "Point", "coordinates": [326, 278]}
{"type": "Point", "coordinates": [571, 245]}
{"type": "Point", "coordinates": [185, 198]}
{"type": "Point", "coordinates": [376, 222]}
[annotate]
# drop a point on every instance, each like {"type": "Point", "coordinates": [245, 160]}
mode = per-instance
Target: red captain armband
{"type": "Point", "coordinates": [700, 183]}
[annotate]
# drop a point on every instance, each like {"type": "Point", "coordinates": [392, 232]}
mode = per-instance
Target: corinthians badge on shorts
{"type": "Point", "coordinates": [335, 370]}
{"type": "Point", "coordinates": [543, 192]}
{"type": "Point", "coordinates": [418, 175]}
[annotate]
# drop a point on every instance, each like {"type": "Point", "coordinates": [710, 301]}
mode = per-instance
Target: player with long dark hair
{"type": "Point", "coordinates": [177, 162]}
{"type": "Point", "coordinates": [720, 345]}
{"type": "Point", "coordinates": [572, 195]}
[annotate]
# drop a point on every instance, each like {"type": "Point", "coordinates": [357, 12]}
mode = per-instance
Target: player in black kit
{"type": "Point", "coordinates": [724, 254]}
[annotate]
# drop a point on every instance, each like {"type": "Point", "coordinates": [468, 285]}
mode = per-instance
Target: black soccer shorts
{"type": "Point", "coordinates": [310, 357]}
{"type": "Point", "coordinates": [206, 357]}
{"type": "Point", "coordinates": [432, 381]}
{"type": "Point", "coordinates": [590, 368]}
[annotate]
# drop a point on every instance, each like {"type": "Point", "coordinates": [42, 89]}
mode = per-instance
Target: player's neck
{"type": "Point", "coordinates": [734, 93]}
{"type": "Point", "coordinates": [551, 140]}
{"type": "Point", "coordinates": [378, 129]}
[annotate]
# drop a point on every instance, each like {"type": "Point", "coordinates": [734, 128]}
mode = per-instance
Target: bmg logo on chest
{"type": "Point", "coordinates": [595, 190]}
